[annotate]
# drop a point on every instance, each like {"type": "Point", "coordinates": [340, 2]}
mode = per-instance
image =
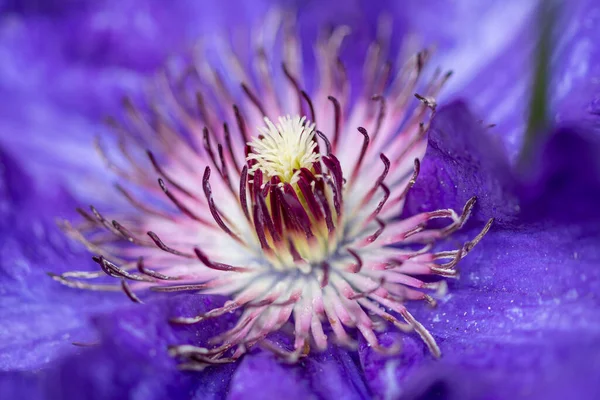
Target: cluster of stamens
{"type": "Point", "coordinates": [296, 221]}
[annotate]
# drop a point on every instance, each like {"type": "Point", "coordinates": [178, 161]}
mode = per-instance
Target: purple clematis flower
{"type": "Point", "coordinates": [519, 322]}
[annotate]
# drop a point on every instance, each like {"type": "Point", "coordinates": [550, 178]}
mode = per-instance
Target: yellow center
{"type": "Point", "coordinates": [283, 149]}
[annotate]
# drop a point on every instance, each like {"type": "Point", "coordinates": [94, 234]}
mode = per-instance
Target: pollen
{"type": "Point", "coordinates": [282, 150]}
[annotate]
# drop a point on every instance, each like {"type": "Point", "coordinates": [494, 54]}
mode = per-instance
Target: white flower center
{"type": "Point", "coordinates": [283, 149]}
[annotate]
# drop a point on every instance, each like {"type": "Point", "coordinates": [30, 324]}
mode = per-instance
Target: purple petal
{"type": "Point", "coordinates": [463, 160]}
{"type": "Point", "coordinates": [524, 307]}
{"type": "Point", "coordinates": [21, 385]}
{"type": "Point", "coordinates": [36, 312]}
{"type": "Point", "coordinates": [132, 360]}
{"type": "Point", "coordinates": [332, 374]}
{"type": "Point", "coordinates": [575, 93]}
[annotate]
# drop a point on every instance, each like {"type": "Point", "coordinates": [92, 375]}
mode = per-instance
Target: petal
{"type": "Point", "coordinates": [332, 374]}
{"type": "Point", "coordinates": [516, 321]}
{"type": "Point", "coordinates": [36, 312]}
{"type": "Point", "coordinates": [463, 160]}
{"type": "Point", "coordinates": [132, 360]}
{"type": "Point", "coordinates": [20, 385]}
{"type": "Point", "coordinates": [575, 91]}
{"type": "Point", "coordinates": [561, 180]}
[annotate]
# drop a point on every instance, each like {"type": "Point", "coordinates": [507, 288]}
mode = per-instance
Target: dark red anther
{"type": "Point", "coordinates": [379, 181]}
{"type": "Point", "coordinates": [313, 116]}
{"type": "Point", "coordinates": [86, 216]}
{"type": "Point", "coordinates": [320, 195]}
{"type": "Point", "coordinates": [266, 188]}
{"type": "Point", "coordinates": [182, 288]}
{"type": "Point", "coordinates": [337, 204]}
{"type": "Point", "coordinates": [386, 195]}
{"type": "Point", "coordinates": [215, 265]}
{"type": "Point", "coordinates": [422, 58]}
{"type": "Point", "coordinates": [326, 269]}
{"type": "Point", "coordinates": [359, 261]}
{"type": "Point", "coordinates": [242, 128]}
{"type": "Point", "coordinates": [259, 227]}
{"type": "Point", "coordinates": [411, 182]}
{"type": "Point", "coordinates": [333, 164]}
{"type": "Point", "coordinates": [126, 234]}
{"type": "Point", "coordinates": [309, 197]}
{"type": "Point", "coordinates": [363, 151]}
{"type": "Point", "coordinates": [319, 184]}
{"type": "Point", "coordinates": [108, 271]}
{"type": "Point", "coordinates": [172, 182]}
{"type": "Point", "coordinates": [308, 175]}
{"type": "Point", "coordinates": [266, 217]}
{"type": "Point", "coordinates": [230, 147]}
{"type": "Point", "coordinates": [180, 205]}
{"type": "Point", "coordinates": [293, 251]}
{"type": "Point", "coordinates": [338, 120]}
{"type": "Point", "coordinates": [327, 143]}
{"type": "Point", "coordinates": [378, 232]}
{"type": "Point", "coordinates": [104, 221]}
{"type": "Point", "coordinates": [113, 270]}
{"type": "Point", "coordinates": [430, 103]}
{"type": "Point", "coordinates": [298, 211]}
{"type": "Point", "coordinates": [334, 167]}
{"type": "Point", "coordinates": [254, 99]}
{"type": "Point", "coordinates": [201, 105]}
{"type": "Point", "coordinates": [243, 195]}
{"type": "Point", "coordinates": [213, 208]}
{"type": "Point", "coordinates": [161, 245]}
{"type": "Point", "coordinates": [132, 296]}
{"type": "Point", "coordinates": [224, 171]}
{"type": "Point", "coordinates": [319, 171]}
{"type": "Point", "coordinates": [295, 85]}
{"type": "Point", "coordinates": [276, 205]}
{"type": "Point", "coordinates": [157, 275]}
{"type": "Point", "coordinates": [257, 181]}
{"type": "Point", "coordinates": [208, 148]}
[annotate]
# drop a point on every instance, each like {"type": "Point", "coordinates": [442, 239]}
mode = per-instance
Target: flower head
{"type": "Point", "coordinates": [519, 323]}
{"type": "Point", "coordinates": [298, 220]}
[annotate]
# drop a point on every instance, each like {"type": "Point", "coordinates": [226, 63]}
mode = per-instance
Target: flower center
{"type": "Point", "coordinates": [282, 150]}
{"type": "Point", "coordinates": [291, 201]}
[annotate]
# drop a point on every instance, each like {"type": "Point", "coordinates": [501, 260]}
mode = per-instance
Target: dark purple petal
{"type": "Point", "coordinates": [561, 181]}
{"type": "Point", "coordinates": [463, 160]}
{"type": "Point", "coordinates": [132, 362]}
{"type": "Point", "coordinates": [21, 385]}
{"type": "Point", "coordinates": [524, 309]}
{"type": "Point", "coordinates": [332, 374]}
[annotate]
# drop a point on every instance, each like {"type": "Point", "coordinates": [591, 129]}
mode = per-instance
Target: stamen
{"type": "Point", "coordinates": [161, 245]}
{"type": "Point", "coordinates": [153, 274]}
{"type": "Point", "coordinates": [172, 182]}
{"type": "Point", "coordinates": [132, 296]}
{"type": "Point", "coordinates": [338, 120]}
{"type": "Point", "coordinates": [180, 205]}
{"type": "Point", "coordinates": [253, 99]}
{"type": "Point", "coordinates": [363, 151]}
{"type": "Point", "coordinates": [213, 208]}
